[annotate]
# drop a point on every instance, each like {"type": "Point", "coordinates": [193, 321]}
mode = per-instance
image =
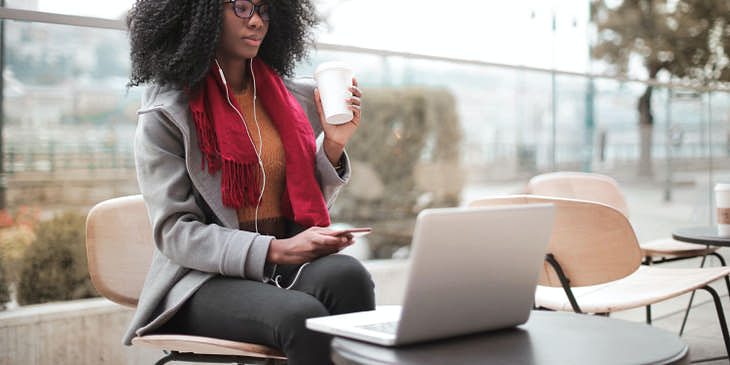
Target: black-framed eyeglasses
{"type": "Point", "coordinates": [245, 8]}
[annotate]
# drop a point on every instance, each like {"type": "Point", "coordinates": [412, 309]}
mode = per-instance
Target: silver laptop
{"type": "Point", "coordinates": [471, 270]}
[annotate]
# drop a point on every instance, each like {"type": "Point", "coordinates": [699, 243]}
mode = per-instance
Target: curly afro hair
{"type": "Point", "coordinates": [174, 41]}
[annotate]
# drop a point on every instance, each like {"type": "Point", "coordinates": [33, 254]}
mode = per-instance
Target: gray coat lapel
{"type": "Point", "coordinates": [208, 185]}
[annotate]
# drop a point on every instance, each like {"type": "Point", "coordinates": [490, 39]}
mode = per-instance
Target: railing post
{"type": "Point", "coordinates": [52, 155]}
{"type": "Point", "coordinates": [10, 167]}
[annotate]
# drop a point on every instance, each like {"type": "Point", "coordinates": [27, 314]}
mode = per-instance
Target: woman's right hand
{"type": "Point", "coordinates": [308, 245]}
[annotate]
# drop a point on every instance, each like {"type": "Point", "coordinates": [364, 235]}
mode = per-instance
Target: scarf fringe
{"type": "Point", "coordinates": [240, 183]}
{"type": "Point", "coordinates": [207, 141]}
{"type": "Point", "coordinates": [219, 131]}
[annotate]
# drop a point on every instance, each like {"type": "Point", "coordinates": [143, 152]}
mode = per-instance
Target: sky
{"type": "Point", "coordinates": [511, 32]}
{"type": "Point", "coordinates": [95, 8]}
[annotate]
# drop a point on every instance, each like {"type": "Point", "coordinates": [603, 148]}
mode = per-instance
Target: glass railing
{"type": "Point", "coordinates": [66, 111]}
{"type": "Point", "coordinates": [90, 8]}
{"type": "Point", "coordinates": [519, 122]}
{"type": "Point", "coordinates": [435, 132]}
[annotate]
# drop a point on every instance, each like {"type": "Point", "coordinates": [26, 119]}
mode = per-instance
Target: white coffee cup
{"type": "Point", "coordinates": [722, 203]}
{"type": "Point", "coordinates": [334, 80]}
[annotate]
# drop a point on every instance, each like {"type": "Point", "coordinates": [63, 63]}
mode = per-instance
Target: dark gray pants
{"type": "Point", "coordinates": [250, 311]}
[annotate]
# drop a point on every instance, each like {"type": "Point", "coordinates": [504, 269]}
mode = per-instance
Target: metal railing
{"type": "Point", "coordinates": [559, 151]}
{"type": "Point", "coordinates": [52, 157]}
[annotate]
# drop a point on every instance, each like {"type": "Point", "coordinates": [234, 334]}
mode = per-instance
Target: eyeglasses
{"type": "Point", "coordinates": [245, 8]}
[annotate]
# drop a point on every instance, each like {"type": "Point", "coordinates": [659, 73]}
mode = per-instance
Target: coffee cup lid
{"type": "Point", "coordinates": [330, 66]}
{"type": "Point", "coordinates": [722, 187]}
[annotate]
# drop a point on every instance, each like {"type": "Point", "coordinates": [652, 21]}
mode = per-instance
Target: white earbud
{"type": "Point", "coordinates": [220, 72]}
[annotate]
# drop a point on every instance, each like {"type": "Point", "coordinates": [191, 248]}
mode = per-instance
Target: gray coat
{"type": "Point", "coordinates": [195, 235]}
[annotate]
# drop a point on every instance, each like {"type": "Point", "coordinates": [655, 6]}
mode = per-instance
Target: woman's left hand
{"type": "Point", "coordinates": [337, 135]}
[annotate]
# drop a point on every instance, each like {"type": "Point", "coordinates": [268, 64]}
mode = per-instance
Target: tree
{"type": "Point", "coordinates": [688, 39]}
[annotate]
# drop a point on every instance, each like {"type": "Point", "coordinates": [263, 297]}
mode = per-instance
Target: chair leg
{"type": "Point", "coordinates": [719, 257]}
{"type": "Point", "coordinates": [268, 362]}
{"type": "Point", "coordinates": [218, 359]}
{"type": "Point", "coordinates": [564, 281]}
{"type": "Point", "coordinates": [169, 356]}
{"type": "Point", "coordinates": [722, 263]}
{"type": "Point", "coordinates": [648, 261]}
{"type": "Point", "coordinates": [648, 314]}
{"type": "Point", "coordinates": [720, 317]}
{"type": "Point", "coordinates": [691, 299]}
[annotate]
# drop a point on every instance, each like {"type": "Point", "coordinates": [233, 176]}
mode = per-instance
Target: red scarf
{"type": "Point", "coordinates": [223, 140]}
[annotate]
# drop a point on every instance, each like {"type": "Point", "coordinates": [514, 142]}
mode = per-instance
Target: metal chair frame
{"type": "Point", "coordinates": [216, 359]}
{"type": "Point", "coordinates": [618, 201]}
{"type": "Point", "coordinates": [565, 282]}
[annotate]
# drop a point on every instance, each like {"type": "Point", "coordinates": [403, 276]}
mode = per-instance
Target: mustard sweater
{"type": "Point", "coordinates": [270, 220]}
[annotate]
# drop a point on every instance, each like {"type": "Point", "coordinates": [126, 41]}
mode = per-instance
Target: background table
{"type": "Point", "coordinates": [547, 338]}
{"type": "Point", "coordinates": [706, 235]}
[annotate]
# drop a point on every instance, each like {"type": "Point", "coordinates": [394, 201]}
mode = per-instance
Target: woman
{"type": "Point", "coordinates": [235, 185]}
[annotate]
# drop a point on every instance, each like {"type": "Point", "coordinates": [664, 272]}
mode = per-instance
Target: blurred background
{"type": "Point", "coordinates": [463, 99]}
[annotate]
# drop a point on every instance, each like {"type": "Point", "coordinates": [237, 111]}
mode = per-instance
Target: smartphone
{"type": "Point", "coordinates": [356, 232]}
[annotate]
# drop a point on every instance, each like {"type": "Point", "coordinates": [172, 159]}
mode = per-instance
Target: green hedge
{"type": "Point", "coordinates": [405, 157]}
{"type": "Point", "coordinates": [54, 267]}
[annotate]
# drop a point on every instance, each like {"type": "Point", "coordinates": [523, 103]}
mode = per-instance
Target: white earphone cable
{"type": "Point", "coordinates": [261, 146]}
{"type": "Point", "coordinates": [261, 141]}
{"type": "Point", "coordinates": [258, 152]}
{"type": "Point", "coordinates": [296, 277]}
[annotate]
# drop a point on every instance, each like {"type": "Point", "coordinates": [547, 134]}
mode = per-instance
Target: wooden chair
{"type": "Point", "coordinates": [604, 189]}
{"type": "Point", "coordinates": [593, 264]}
{"type": "Point", "coordinates": [119, 248]}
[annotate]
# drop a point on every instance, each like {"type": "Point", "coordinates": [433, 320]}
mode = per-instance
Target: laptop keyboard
{"type": "Point", "coordinates": [385, 327]}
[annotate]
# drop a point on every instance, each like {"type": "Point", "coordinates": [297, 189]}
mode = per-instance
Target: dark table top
{"type": "Point", "coordinates": [547, 338]}
{"type": "Point", "coordinates": [706, 235]}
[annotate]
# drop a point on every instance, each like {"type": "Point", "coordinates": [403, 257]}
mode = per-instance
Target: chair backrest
{"type": "Point", "coordinates": [119, 248]}
{"type": "Point", "coordinates": [579, 185]}
{"type": "Point", "coordinates": [593, 242]}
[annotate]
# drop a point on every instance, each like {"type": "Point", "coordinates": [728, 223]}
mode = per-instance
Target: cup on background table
{"type": "Point", "coordinates": [722, 203]}
{"type": "Point", "coordinates": [334, 80]}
